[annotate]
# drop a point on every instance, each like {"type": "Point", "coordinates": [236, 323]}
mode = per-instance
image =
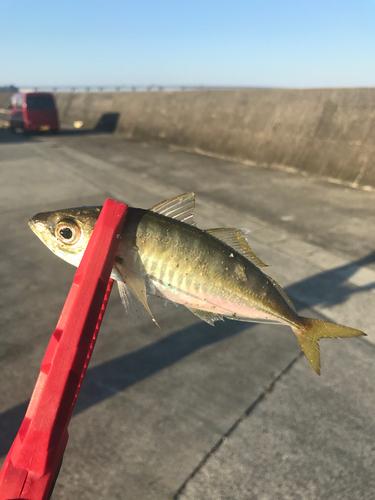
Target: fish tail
{"type": "Point", "coordinates": [311, 330]}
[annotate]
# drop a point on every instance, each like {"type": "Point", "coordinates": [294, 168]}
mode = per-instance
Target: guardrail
{"type": "Point", "coordinates": [120, 88]}
{"type": "Point", "coordinates": [107, 88]}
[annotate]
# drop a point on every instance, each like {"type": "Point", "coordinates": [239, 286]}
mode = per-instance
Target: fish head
{"type": "Point", "coordinates": [66, 232]}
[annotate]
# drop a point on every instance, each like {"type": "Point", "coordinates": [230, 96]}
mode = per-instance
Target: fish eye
{"type": "Point", "coordinates": [68, 232]}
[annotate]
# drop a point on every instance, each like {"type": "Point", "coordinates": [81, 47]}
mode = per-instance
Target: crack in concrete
{"type": "Point", "coordinates": [242, 417]}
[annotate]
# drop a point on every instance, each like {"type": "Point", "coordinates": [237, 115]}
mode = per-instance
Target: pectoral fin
{"type": "Point", "coordinates": [133, 307]}
{"type": "Point", "coordinates": [136, 284]}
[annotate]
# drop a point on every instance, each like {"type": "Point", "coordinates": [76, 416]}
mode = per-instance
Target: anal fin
{"type": "Point", "coordinates": [248, 319]}
{"type": "Point", "coordinates": [206, 316]}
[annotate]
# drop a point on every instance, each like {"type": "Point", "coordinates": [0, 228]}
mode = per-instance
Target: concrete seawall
{"type": "Point", "coordinates": [328, 133]}
{"type": "Point", "coordinates": [4, 98]}
{"type": "Point", "coordinates": [324, 132]}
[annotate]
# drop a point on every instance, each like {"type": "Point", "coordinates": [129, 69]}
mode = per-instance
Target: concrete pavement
{"type": "Point", "coordinates": [191, 411]}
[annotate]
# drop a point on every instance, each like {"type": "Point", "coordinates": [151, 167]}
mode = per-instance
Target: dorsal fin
{"type": "Point", "coordinates": [181, 208]}
{"type": "Point", "coordinates": [235, 238]}
{"type": "Point", "coordinates": [282, 293]}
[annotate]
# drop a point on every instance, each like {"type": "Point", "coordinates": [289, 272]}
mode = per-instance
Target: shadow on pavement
{"type": "Point", "coordinates": [7, 137]}
{"type": "Point", "coordinates": [109, 378]}
{"type": "Point", "coordinates": [330, 288]}
{"type": "Point", "coordinates": [107, 124]}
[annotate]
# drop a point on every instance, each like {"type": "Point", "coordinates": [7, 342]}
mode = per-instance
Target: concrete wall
{"type": "Point", "coordinates": [325, 132]}
{"type": "Point", "coordinates": [4, 99]}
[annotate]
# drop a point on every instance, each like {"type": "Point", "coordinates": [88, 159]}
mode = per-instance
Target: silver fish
{"type": "Point", "coordinates": [213, 272]}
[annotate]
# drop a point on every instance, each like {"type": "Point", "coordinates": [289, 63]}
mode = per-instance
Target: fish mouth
{"type": "Point", "coordinates": [36, 226]}
{"type": "Point", "coordinates": [40, 229]}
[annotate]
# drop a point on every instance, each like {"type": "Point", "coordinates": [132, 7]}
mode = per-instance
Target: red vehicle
{"type": "Point", "coordinates": [32, 112]}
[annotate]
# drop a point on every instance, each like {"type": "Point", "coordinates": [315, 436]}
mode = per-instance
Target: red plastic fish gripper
{"type": "Point", "coordinates": [32, 464]}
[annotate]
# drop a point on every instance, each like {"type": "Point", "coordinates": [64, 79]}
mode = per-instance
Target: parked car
{"type": "Point", "coordinates": [32, 112]}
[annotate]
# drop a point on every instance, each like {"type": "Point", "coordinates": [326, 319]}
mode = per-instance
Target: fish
{"type": "Point", "coordinates": [212, 272]}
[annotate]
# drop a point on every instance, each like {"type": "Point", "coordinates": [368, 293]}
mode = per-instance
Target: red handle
{"type": "Point", "coordinates": [32, 463]}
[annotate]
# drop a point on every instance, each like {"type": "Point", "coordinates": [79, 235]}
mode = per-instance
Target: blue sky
{"type": "Point", "coordinates": [328, 43]}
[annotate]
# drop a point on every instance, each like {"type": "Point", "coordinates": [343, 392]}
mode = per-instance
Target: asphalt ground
{"type": "Point", "coordinates": [191, 411]}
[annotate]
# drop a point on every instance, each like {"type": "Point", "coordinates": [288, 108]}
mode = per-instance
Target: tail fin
{"type": "Point", "coordinates": [312, 330]}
